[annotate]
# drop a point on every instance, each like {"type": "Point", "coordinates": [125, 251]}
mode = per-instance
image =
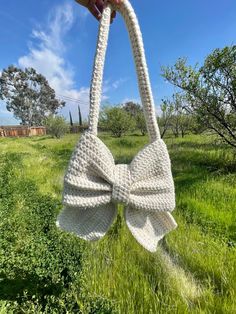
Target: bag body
{"type": "Point", "coordinates": [94, 184]}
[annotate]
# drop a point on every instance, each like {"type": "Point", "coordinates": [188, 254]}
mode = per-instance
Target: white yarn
{"type": "Point", "coordinates": [93, 183]}
{"type": "Point", "coordinates": [135, 35]}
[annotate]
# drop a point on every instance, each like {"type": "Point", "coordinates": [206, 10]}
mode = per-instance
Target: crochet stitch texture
{"type": "Point", "coordinates": [93, 184]}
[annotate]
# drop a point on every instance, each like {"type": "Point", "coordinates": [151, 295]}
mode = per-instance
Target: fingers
{"type": "Point", "coordinates": [94, 10]}
{"type": "Point", "coordinates": [113, 15]}
{"type": "Point", "coordinates": [116, 1]}
{"type": "Point", "coordinates": [96, 7]}
{"type": "Point", "coordinates": [100, 4]}
{"type": "Point", "coordinates": [82, 2]}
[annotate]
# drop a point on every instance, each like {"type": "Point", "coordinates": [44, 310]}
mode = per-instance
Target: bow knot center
{"type": "Point", "coordinates": [122, 182]}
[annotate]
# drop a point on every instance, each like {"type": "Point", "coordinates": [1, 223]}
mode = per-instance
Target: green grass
{"type": "Point", "coordinates": [44, 270]}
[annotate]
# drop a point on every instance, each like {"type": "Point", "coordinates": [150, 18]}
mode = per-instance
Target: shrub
{"type": "Point", "coordinates": [136, 111]}
{"type": "Point", "coordinates": [117, 120]}
{"type": "Point", "coordinates": [39, 264]}
{"type": "Point", "coordinates": [141, 122]}
{"type": "Point", "coordinates": [56, 126]}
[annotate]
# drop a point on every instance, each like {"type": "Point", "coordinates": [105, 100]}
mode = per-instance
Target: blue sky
{"type": "Point", "coordinates": [58, 38]}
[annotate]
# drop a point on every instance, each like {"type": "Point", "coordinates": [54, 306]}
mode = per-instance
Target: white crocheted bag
{"type": "Point", "coordinates": [93, 184]}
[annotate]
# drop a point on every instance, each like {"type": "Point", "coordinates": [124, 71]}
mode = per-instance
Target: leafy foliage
{"type": "Point", "coordinates": [175, 117]}
{"type": "Point", "coordinates": [71, 120]}
{"type": "Point", "coordinates": [56, 126]}
{"type": "Point", "coordinates": [132, 108]}
{"type": "Point", "coordinates": [180, 120]}
{"type": "Point", "coordinates": [28, 95]}
{"type": "Point", "coordinates": [135, 110]}
{"type": "Point", "coordinates": [37, 261]}
{"type": "Point", "coordinates": [141, 122]}
{"type": "Point", "coordinates": [40, 266]}
{"type": "Point", "coordinates": [166, 113]}
{"type": "Point", "coordinates": [116, 120]}
{"type": "Point", "coordinates": [210, 90]}
{"type": "Point", "coordinates": [80, 116]}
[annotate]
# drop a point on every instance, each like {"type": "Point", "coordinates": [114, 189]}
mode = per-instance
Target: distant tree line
{"type": "Point", "coordinates": [175, 117]}
{"type": "Point", "coordinates": [129, 117]}
{"type": "Point", "coordinates": [80, 118]}
{"type": "Point", "coordinates": [206, 100]}
{"type": "Point", "coordinates": [30, 98]}
{"type": "Point", "coordinates": [122, 119]}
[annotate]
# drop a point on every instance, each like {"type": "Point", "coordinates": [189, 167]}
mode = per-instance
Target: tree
{"type": "Point", "coordinates": [196, 126]}
{"type": "Point", "coordinates": [132, 108]}
{"type": "Point", "coordinates": [180, 120]}
{"type": "Point", "coordinates": [28, 95]}
{"type": "Point", "coordinates": [166, 113]}
{"type": "Point", "coordinates": [136, 112]}
{"type": "Point", "coordinates": [141, 122]}
{"type": "Point", "coordinates": [80, 117]}
{"type": "Point", "coordinates": [71, 120]}
{"type": "Point", "coordinates": [56, 126]}
{"type": "Point", "coordinates": [185, 123]}
{"type": "Point", "coordinates": [117, 120]}
{"type": "Point", "coordinates": [210, 90]}
{"type": "Point", "coordinates": [174, 116]}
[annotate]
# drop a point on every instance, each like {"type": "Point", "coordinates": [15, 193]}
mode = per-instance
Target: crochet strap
{"type": "Point", "coordinates": [135, 35]}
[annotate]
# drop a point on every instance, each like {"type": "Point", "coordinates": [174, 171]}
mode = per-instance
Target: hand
{"type": "Point", "coordinates": [96, 7]}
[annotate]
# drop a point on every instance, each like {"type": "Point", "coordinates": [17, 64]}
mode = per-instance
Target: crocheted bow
{"type": "Point", "coordinates": [94, 184]}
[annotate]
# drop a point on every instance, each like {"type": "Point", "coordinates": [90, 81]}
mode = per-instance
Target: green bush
{"type": "Point", "coordinates": [56, 126]}
{"type": "Point", "coordinates": [141, 122]}
{"type": "Point", "coordinates": [116, 120]}
{"type": "Point", "coordinates": [40, 265]}
{"type": "Point", "coordinates": [38, 262]}
{"type": "Point", "coordinates": [135, 110]}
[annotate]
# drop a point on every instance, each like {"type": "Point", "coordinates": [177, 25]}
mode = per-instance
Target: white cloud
{"type": "Point", "coordinates": [116, 84]}
{"type": "Point", "coordinates": [4, 111]}
{"type": "Point", "coordinates": [47, 56]}
{"type": "Point", "coordinates": [108, 85]}
{"type": "Point", "coordinates": [135, 100]}
{"type": "Point", "coordinates": [60, 22]}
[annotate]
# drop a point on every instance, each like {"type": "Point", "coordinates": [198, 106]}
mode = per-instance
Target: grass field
{"type": "Point", "coordinates": [44, 270]}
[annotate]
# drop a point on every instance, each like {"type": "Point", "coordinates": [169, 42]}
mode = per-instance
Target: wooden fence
{"type": "Point", "coordinates": [20, 131]}
{"type": "Point", "coordinates": [24, 131]}
{"type": "Point", "coordinates": [78, 128]}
